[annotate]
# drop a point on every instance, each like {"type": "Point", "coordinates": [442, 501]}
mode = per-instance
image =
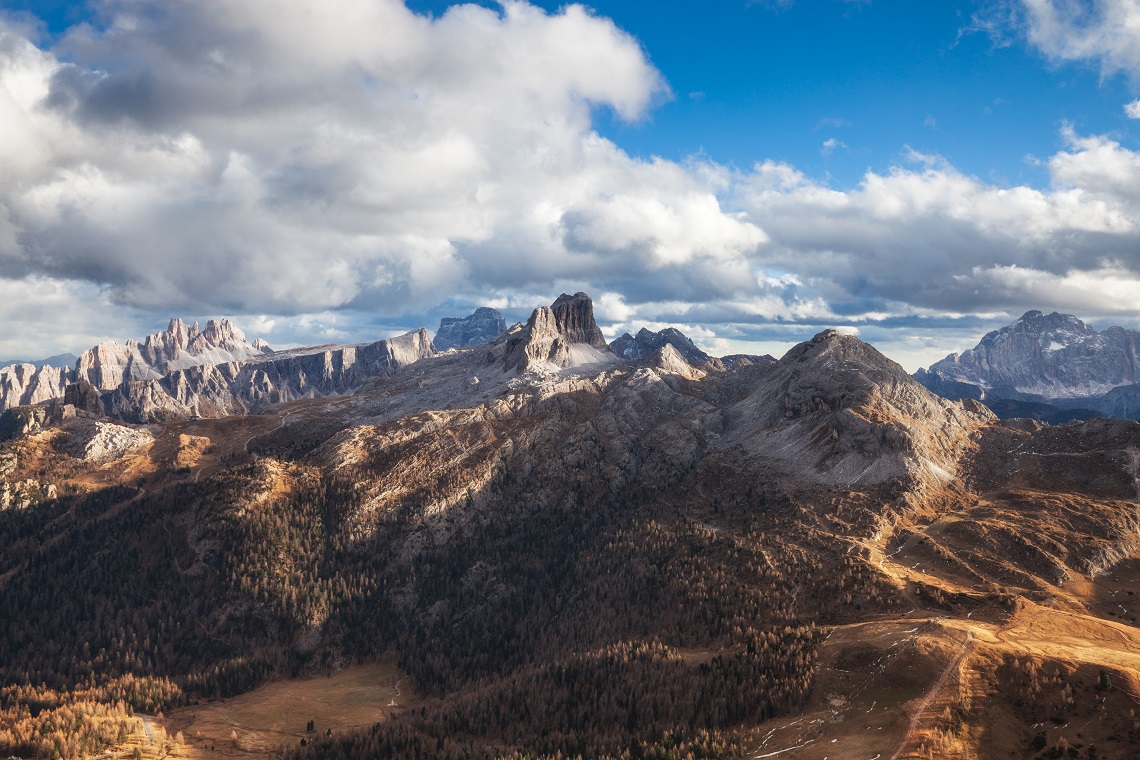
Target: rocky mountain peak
{"type": "Point", "coordinates": [481, 326]}
{"type": "Point", "coordinates": [561, 335]}
{"type": "Point", "coordinates": [647, 343]}
{"type": "Point", "coordinates": [221, 333]}
{"type": "Point", "coordinates": [837, 402]}
{"type": "Point", "coordinates": [574, 319]}
{"type": "Point", "coordinates": [668, 359]}
{"type": "Point", "coordinates": [1040, 357]}
{"type": "Point", "coordinates": [180, 331]}
{"type": "Point", "coordinates": [1034, 325]}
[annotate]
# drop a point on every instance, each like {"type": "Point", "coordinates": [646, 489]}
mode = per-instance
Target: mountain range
{"type": "Point", "coordinates": [543, 546]}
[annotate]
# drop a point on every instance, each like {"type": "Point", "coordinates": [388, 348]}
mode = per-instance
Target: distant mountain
{"type": "Point", "coordinates": [185, 371]}
{"type": "Point", "coordinates": [58, 360]}
{"type": "Point", "coordinates": [481, 326]}
{"type": "Point", "coordinates": [1054, 359]}
{"type": "Point", "coordinates": [1008, 409]}
{"type": "Point", "coordinates": [111, 364]}
{"type": "Point", "coordinates": [647, 343]}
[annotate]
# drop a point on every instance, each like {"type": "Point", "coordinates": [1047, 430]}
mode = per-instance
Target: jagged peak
{"type": "Point", "coordinates": [561, 335]}
{"type": "Point", "coordinates": [647, 343]}
{"type": "Point", "coordinates": [1035, 321]}
{"type": "Point", "coordinates": [219, 330]}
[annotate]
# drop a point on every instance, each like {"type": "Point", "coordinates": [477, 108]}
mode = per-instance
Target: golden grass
{"type": "Point", "coordinates": [277, 714]}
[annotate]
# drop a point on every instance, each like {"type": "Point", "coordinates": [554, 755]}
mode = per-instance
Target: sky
{"type": "Point", "coordinates": [750, 171]}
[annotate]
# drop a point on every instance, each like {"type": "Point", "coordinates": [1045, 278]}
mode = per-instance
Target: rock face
{"type": "Point", "coordinates": [95, 441]}
{"type": "Point", "coordinates": [214, 390]}
{"type": "Point", "coordinates": [1041, 357]}
{"type": "Point", "coordinates": [482, 326]}
{"type": "Point", "coordinates": [187, 372]}
{"type": "Point", "coordinates": [83, 397]}
{"type": "Point", "coordinates": [24, 384]}
{"type": "Point", "coordinates": [558, 336]}
{"type": "Point", "coordinates": [837, 411]}
{"type": "Point", "coordinates": [647, 343]}
{"type": "Point", "coordinates": [110, 364]}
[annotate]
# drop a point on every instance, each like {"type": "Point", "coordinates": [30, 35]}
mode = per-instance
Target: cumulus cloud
{"type": "Point", "coordinates": [922, 237]}
{"type": "Point", "coordinates": [1104, 31]}
{"type": "Point", "coordinates": [269, 156]}
{"type": "Point", "coordinates": [327, 174]}
{"type": "Point", "coordinates": [1132, 110]}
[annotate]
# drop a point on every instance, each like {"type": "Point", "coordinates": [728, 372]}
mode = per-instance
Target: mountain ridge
{"type": "Point", "coordinates": [1053, 359]}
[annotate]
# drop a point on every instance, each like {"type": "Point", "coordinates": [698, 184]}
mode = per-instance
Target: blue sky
{"type": "Point", "coordinates": [753, 172]}
{"type": "Point", "coordinates": [755, 80]}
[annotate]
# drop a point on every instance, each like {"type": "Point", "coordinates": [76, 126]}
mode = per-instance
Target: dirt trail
{"type": "Point", "coordinates": [916, 720]}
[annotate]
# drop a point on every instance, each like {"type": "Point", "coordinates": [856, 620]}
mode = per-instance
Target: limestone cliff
{"type": "Point", "coordinates": [558, 336]}
{"type": "Point", "coordinates": [481, 326]}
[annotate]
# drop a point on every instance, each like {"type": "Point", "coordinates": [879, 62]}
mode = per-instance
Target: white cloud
{"type": "Point", "coordinates": [918, 238]}
{"type": "Point", "coordinates": [1132, 110]}
{"type": "Point", "coordinates": [327, 174]}
{"type": "Point", "coordinates": [278, 157]}
{"type": "Point", "coordinates": [830, 144]}
{"type": "Point", "coordinates": [1104, 31]}
{"type": "Point", "coordinates": [1110, 289]}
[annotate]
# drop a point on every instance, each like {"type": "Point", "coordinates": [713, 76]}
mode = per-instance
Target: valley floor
{"type": "Point", "coordinates": [277, 714]}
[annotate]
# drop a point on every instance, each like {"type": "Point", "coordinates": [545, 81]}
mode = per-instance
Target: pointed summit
{"type": "Point", "coordinates": [836, 411]}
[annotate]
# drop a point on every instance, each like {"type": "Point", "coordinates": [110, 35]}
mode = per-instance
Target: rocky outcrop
{"type": "Point", "coordinates": [668, 360]}
{"type": "Point", "coordinates": [83, 397]}
{"type": "Point", "coordinates": [98, 441]}
{"type": "Point", "coordinates": [836, 411]}
{"type": "Point", "coordinates": [1040, 357]}
{"type": "Point", "coordinates": [24, 384]}
{"type": "Point", "coordinates": [215, 390]}
{"type": "Point", "coordinates": [558, 336]}
{"type": "Point", "coordinates": [480, 327]}
{"type": "Point", "coordinates": [647, 343]}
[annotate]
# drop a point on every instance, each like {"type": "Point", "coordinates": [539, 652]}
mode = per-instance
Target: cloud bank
{"type": "Point", "coordinates": [308, 164]}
